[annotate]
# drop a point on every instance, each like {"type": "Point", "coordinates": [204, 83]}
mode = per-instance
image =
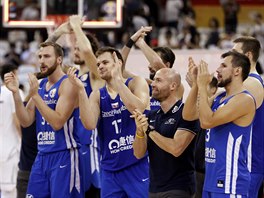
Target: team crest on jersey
{"type": "Point", "coordinates": [84, 77]}
{"type": "Point", "coordinates": [115, 105]}
{"type": "Point", "coordinates": [175, 109]}
{"type": "Point", "coordinates": [52, 92]}
{"type": "Point", "coordinates": [170, 121]}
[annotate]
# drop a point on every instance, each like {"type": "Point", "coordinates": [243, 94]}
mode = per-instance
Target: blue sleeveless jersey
{"type": "Point", "coordinates": [154, 104]}
{"type": "Point", "coordinates": [83, 134]}
{"type": "Point", "coordinates": [256, 165]}
{"type": "Point", "coordinates": [226, 148]}
{"type": "Point", "coordinates": [116, 133]}
{"type": "Point", "coordinates": [48, 139]}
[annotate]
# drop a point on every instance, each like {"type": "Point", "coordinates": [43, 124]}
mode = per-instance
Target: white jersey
{"type": "Point", "coordinates": [9, 134]}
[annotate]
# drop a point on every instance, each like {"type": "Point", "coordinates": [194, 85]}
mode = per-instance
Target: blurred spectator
{"type": "Point", "coordinates": [139, 19]}
{"type": "Point", "coordinates": [226, 41]}
{"type": "Point", "coordinates": [231, 9]}
{"type": "Point", "coordinates": [12, 57]}
{"type": "Point", "coordinates": [9, 138]}
{"type": "Point", "coordinates": [28, 55]}
{"type": "Point", "coordinates": [154, 10]}
{"type": "Point", "coordinates": [172, 12]}
{"type": "Point", "coordinates": [31, 11]}
{"type": "Point", "coordinates": [168, 38]}
{"type": "Point", "coordinates": [189, 38]}
{"type": "Point", "coordinates": [187, 9]}
{"type": "Point", "coordinates": [213, 37]}
{"type": "Point", "coordinates": [258, 29]}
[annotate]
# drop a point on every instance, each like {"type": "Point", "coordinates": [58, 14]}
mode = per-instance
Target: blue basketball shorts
{"type": "Point", "coordinates": [56, 175]}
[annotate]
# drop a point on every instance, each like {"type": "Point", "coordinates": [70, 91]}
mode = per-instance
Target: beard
{"type": "Point", "coordinates": [79, 62]}
{"type": "Point", "coordinates": [225, 82]}
{"type": "Point", "coordinates": [160, 95]}
{"type": "Point", "coordinates": [50, 70]}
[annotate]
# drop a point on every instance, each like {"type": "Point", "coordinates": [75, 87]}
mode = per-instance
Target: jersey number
{"type": "Point", "coordinates": [43, 122]}
{"type": "Point", "coordinates": [115, 123]}
{"type": "Point", "coordinates": [207, 137]}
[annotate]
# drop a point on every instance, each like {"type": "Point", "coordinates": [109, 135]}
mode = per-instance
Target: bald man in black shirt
{"type": "Point", "coordinates": [168, 138]}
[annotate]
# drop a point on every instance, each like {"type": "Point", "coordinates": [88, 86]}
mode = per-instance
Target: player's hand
{"type": "Point", "coordinates": [33, 85]}
{"type": "Point", "coordinates": [141, 33]}
{"type": "Point", "coordinates": [11, 82]}
{"type": "Point", "coordinates": [64, 28]}
{"type": "Point", "coordinates": [203, 76]}
{"type": "Point", "coordinates": [191, 76]}
{"type": "Point", "coordinates": [141, 121]}
{"type": "Point", "coordinates": [74, 79]}
{"type": "Point", "coordinates": [116, 72]}
{"type": "Point", "coordinates": [75, 20]}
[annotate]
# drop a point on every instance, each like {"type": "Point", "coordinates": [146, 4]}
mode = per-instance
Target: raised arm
{"type": "Point", "coordinates": [190, 108]}
{"type": "Point", "coordinates": [26, 116]}
{"type": "Point", "coordinates": [153, 58]}
{"type": "Point", "coordinates": [136, 95]}
{"type": "Point", "coordinates": [65, 104]}
{"type": "Point", "coordinates": [89, 107]}
{"type": "Point", "coordinates": [230, 112]}
{"type": "Point", "coordinates": [133, 39]}
{"type": "Point", "coordinates": [62, 29]}
{"type": "Point", "coordinates": [84, 44]}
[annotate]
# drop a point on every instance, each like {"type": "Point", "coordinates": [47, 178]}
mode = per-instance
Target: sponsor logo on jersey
{"type": "Point", "coordinates": [122, 144]}
{"type": "Point", "coordinates": [46, 138]}
{"type": "Point", "coordinates": [106, 114]}
{"type": "Point", "coordinates": [210, 155]}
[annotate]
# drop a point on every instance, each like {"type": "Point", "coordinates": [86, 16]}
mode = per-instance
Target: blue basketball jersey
{"type": "Point", "coordinates": [48, 139]}
{"type": "Point", "coordinates": [256, 164]}
{"type": "Point", "coordinates": [226, 148]}
{"type": "Point", "coordinates": [89, 140]}
{"type": "Point", "coordinates": [154, 104]}
{"type": "Point", "coordinates": [83, 134]}
{"type": "Point", "coordinates": [116, 131]}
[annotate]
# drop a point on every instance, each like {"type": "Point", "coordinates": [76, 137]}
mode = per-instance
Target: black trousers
{"type": "Point", "coordinates": [22, 183]}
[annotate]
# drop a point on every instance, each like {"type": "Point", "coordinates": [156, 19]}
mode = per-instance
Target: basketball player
{"type": "Point", "coordinates": [55, 172]}
{"type": "Point", "coordinates": [84, 48]}
{"type": "Point", "coordinates": [254, 84]}
{"type": "Point", "coordinates": [111, 106]}
{"type": "Point", "coordinates": [229, 126]}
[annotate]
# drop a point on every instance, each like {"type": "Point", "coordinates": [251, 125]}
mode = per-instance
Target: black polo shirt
{"type": "Point", "coordinates": [166, 171]}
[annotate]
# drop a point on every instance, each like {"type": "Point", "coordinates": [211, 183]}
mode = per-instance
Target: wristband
{"type": "Point", "coordinates": [139, 136]}
{"type": "Point", "coordinates": [149, 129]}
{"type": "Point", "coordinates": [130, 43]}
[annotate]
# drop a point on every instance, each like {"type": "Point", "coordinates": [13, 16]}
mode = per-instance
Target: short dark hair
{"type": "Point", "coordinates": [249, 44]}
{"type": "Point", "coordinates": [6, 68]}
{"type": "Point", "coordinates": [93, 40]}
{"type": "Point", "coordinates": [239, 60]}
{"type": "Point", "coordinates": [166, 55]}
{"type": "Point", "coordinates": [110, 50]}
{"type": "Point", "coordinates": [57, 48]}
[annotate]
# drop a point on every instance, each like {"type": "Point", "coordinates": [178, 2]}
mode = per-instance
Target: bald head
{"type": "Point", "coordinates": [170, 75]}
